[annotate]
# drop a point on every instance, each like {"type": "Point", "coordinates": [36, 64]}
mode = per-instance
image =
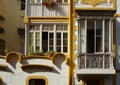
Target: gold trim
{"type": "Point", "coordinates": [14, 53]}
{"type": "Point", "coordinates": [93, 2]}
{"type": "Point", "coordinates": [48, 19]}
{"type": "Point", "coordinates": [98, 8]}
{"type": "Point", "coordinates": [57, 55]}
{"type": "Point", "coordinates": [71, 43]}
{"type": "Point", "coordinates": [3, 67]}
{"type": "Point", "coordinates": [3, 57]}
{"type": "Point", "coordinates": [36, 77]}
{"type": "Point", "coordinates": [117, 15]}
{"type": "Point", "coordinates": [25, 20]}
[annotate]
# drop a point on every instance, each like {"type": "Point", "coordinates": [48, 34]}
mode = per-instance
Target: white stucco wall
{"type": "Point", "coordinates": [15, 75]}
{"type": "Point", "coordinates": [18, 77]}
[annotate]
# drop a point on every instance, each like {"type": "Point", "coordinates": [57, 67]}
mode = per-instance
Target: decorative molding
{"type": "Point", "coordinates": [93, 2]}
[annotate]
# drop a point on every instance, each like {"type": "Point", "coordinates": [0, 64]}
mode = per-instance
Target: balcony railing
{"type": "Point", "coordinates": [92, 61]}
{"type": "Point", "coordinates": [39, 9]}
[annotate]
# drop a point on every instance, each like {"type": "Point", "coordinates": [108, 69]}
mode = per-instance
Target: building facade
{"type": "Point", "coordinates": [48, 30]}
{"type": "Point", "coordinates": [117, 43]}
{"type": "Point", "coordinates": [2, 37]}
{"type": "Point", "coordinates": [95, 23]}
{"type": "Point", "coordinates": [67, 42]}
{"type": "Point", "coordinates": [13, 21]}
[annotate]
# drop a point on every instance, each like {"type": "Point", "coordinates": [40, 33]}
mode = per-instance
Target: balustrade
{"type": "Point", "coordinates": [91, 61]}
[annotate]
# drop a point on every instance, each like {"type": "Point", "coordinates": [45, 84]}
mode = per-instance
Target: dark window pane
{"type": "Point", "coordinates": [90, 36]}
{"type": "Point", "coordinates": [65, 50]}
{"type": "Point", "coordinates": [22, 4]}
{"type": "Point", "coordinates": [58, 49]}
{"type": "Point", "coordinates": [58, 35]}
{"type": "Point", "coordinates": [36, 82]}
{"type": "Point", "coordinates": [106, 35]}
{"type": "Point", "coordinates": [44, 41]}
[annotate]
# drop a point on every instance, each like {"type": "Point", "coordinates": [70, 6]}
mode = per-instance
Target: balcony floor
{"type": "Point", "coordinates": [95, 71]}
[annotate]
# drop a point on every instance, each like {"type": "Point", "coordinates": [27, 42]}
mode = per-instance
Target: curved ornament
{"type": "Point", "coordinates": [93, 2]}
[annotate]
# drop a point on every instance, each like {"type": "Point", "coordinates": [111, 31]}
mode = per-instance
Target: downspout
{"type": "Point", "coordinates": [26, 31]}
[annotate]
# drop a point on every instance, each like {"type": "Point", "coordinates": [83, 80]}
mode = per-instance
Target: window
{"type": "Point", "coordinates": [2, 47]}
{"type": "Point", "coordinates": [35, 1]}
{"type": "Point", "coordinates": [46, 37]}
{"type": "Point", "coordinates": [22, 4]}
{"type": "Point", "coordinates": [37, 82]}
{"type": "Point", "coordinates": [95, 35]}
{"type": "Point", "coordinates": [62, 1]}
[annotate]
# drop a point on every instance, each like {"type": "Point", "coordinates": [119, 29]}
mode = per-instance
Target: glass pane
{"type": "Point", "coordinates": [37, 40]}
{"type": "Point", "coordinates": [44, 41]}
{"type": "Point", "coordinates": [51, 48]}
{"type": "Point", "coordinates": [58, 49]}
{"type": "Point", "coordinates": [65, 50]}
{"type": "Point", "coordinates": [64, 35]}
{"type": "Point", "coordinates": [31, 35]}
{"type": "Point", "coordinates": [51, 27]}
{"type": "Point", "coordinates": [65, 0]}
{"type": "Point", "coordinates": [59, 1]}
{"type": "Point", "coordinates": [106, 35]}
{"type": "Point", "coordinates": [44, 27]}
{"type": "Point", "coordinates": [92, 82]}
{"type": "Point", "coordinates": [99, 27]}
{"type": "Point", "coordinates": [65, 27]}
{"type": "Point", "coordinates": [37, 82]}
{"type": "Point", "coordinates": [31, 42]}
{"type": "Point", "coordinates": [37, 48]}
{"type": "Point", "coordinates": [65, 42]}
{"type": "Point", "coordinates": [99, 34]}
{"type": "Point", "coordinates": [90, 35]}
{"type": "Point", "coordinates": [38, 1]}
{"type": "Point", "coordinates": [32, 1]}
{"type": "Point", "coordinates": [99, 44]}
{"type": "Point", "coordinates": [58, 35]}
{"type": "Point", "coordinates": [83, 44]}
{"type": "Point", "coordinates": [37, 35]}
{"type": "Point", "coordinates": [51, 41]}
{"type": "Point", "coordinates": [58, 42]}
{"type": "Point", "coordinates": [59, 27]}
{"type": "Point", "coordinates": [82, 36]}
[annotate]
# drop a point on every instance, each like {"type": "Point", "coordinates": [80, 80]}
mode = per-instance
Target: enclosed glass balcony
{"type": "Point", "coordinates": [40, 9]}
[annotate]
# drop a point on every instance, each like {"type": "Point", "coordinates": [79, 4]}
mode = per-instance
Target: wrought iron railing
{"type": "Point", "coordinates": [99, 61]}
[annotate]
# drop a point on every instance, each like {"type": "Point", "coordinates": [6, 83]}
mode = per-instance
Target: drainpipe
{"type": "Point", "coordinates": [26, 30]}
